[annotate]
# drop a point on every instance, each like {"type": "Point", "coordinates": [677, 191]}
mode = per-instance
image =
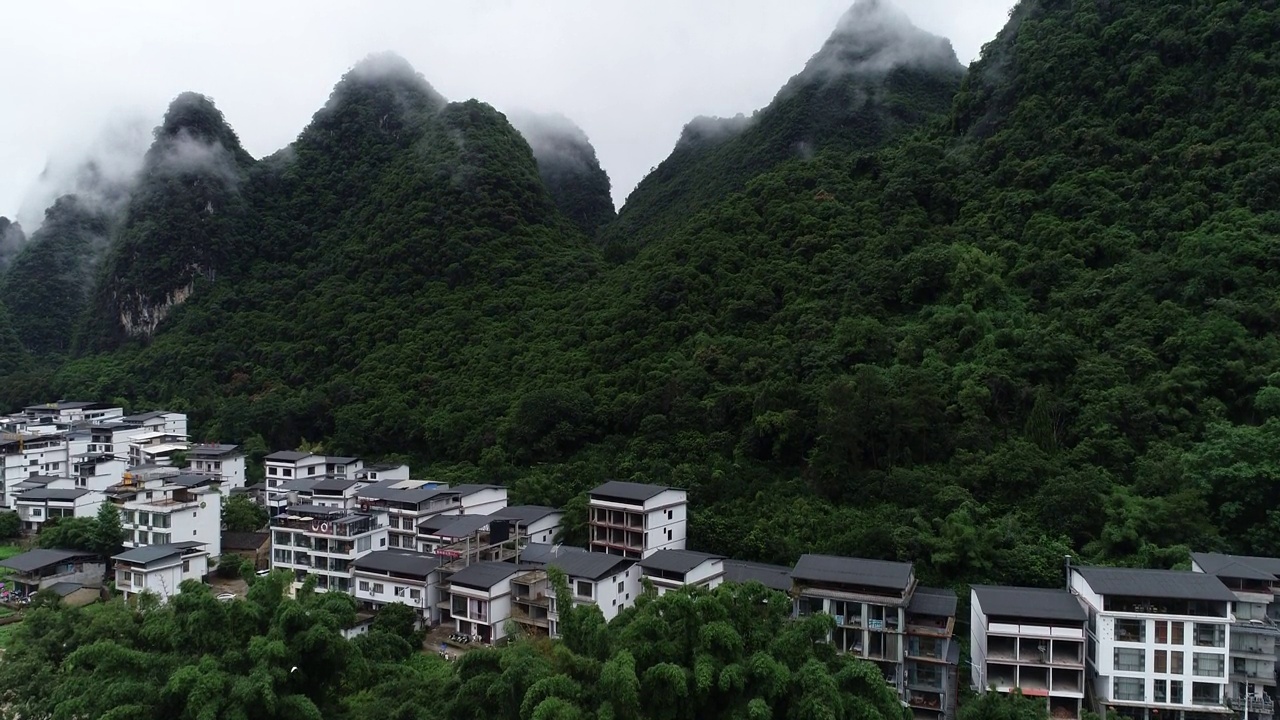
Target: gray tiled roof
{"type": "Point", "coordinates": [463, 525]}
{"type": "Point", "coordinates": [590, 565]}
{"type": "Point", "coordinates": [195, 479]}
{"type": "Point", "coordinates": [40, 558]}
{"type": "Point", "coordinates": [484, 575]}
{"type": "Point", "coordinates": [1143, 583]}
{"type": "Point", "coordinates": [334, 484]}
{"type": "Point", "coordinates": [287, 456]}
{"type": "Point", "coordinates": [1029, 603]}
{"type": "Point", "coordinates": [525, 514]}
{"type": "Point", "coordinates": [634, 492]}
{"type": "Point", "coordinates": [940, 602]}
{"type": "Point", "coordinates": [398, 561]}
{"type": "Point", "coordinates": [853, 571]}
{"type": "Point", "coordinates": [472, 488]}
{"type": "Point", "coordinates": [44, 493]}
{"type": "Point", "coordinates": [65, 588]}
{"type": "Point", "coordinates": [148, 554]}
{"type": "Point", "coordinates": [1243, 567]}
{"type": "Point", "coordinates": [777, 577]}
{"type": "Point", "coordinates": [211, 450]}
{"type": "Point", "coordinates": [677, 561]}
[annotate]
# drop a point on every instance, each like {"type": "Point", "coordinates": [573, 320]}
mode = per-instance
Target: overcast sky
{"type": "Point", "coordinates": [631, 74]}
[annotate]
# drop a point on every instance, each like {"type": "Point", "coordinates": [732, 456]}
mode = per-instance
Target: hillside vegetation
{"type": "Point", "coordinates": [985, 322]}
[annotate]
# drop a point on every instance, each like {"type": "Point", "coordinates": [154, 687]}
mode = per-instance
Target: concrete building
{"type": "Point", "coordinates": [58, 499]}
{"type": "Point", "coordinates": [156, 447]}
{"type": "Point", "coordinates": [1158, 641]}
{"type": "Point", "coordinates": [480, 599]}
{"type": "Point", "coordinates": [160, 569]}
{"type": "Point", "coordinates": [1032, 640]}
{"type": "Point", "coordinates": [325, 541]}
{"type": "Point", "coordinates": [636, 520]}
{"type": "Point", "coordinates": [381, 472]}
{"type": "Point", "coordinates": [610, 582]}
{"type": "Point", "coordinates": [28, 453]}
{"type": "Point", "coordinates": [163, 506]}
{"type": "Point", "coordinates": [538, 523]}
{"type": "Point", "coordinates": [407, 502]}
{"type": "Point", "coordinates": [398, 576]}
{"type": "Point", "coordinates": [225, 461]}
{"type": "Point", "coordinates": [166, 422]}
{"type": "Point", "coordinates": [98, 471]}
{"type": "Point", "coordinates": [673, 569]}
{"type": "Point", "coordinates": [37, 569]}
{"type": "Point", "coordinates": [933, 655]}
{"type": "Point", "coordinates": [1255, 581]}
{"type": "Point", "coordinates": [286, 465]}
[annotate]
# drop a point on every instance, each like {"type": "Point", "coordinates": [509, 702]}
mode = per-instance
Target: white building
{"type": "Point", "coordinates": [98, 471]}
{"type": "Point", "coordinates": [380, 472]}
{"type": "Point", "coordinates": [1158, 641]}
{"type": "Point", "coordinates": [160, 569]}
{"type": "Point", "coordinates": [70, 412]}
{"type": "Point", "coordinates": [325, 541]}
{"type": "Point", "coordinates": [674, 569]}
{"type": "Point", "coordinates": [1032, 640]}
{"type": "Point", "coordinates": [286, 465]}
{"type": "Point", "coordinates": [537, 523]}
{"type": "Point", "coordinates": [56, 500]}
{"type": "Point", "coordinates": [636, 520]}
{"type": "Point", "coordinates": [225, 461]}
{"type": "Point", "coordinates": [155, 447]}
{"type": "Point", "coordinates": [398, 576]}
{"type": "Point", "coordinates": [407, 502]}
{"type": "Point", "coordinates": [480, 499]}
{"type": "Point", "coordinates": [162, 506]}
{"type": "Point", "coordinates": [26, 454]}
{"type": "Point", "coordinates": [1255, 581]}
{"type": "Point", "coordinates": [480, 599]}
{"type": "Point", "coordinates": [609, 582]}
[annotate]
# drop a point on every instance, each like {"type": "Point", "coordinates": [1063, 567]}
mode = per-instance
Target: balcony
{"type": "Point", "coordinates": [617, 519]}
{"type": "Point", "coordinates": [942, 627]}
{"type": "Point", "coordinates": [1260, 704]}
{"type": "Point", "coordinates": [929, 649]}
{"type": "Point", "coordinates": [925, 700]}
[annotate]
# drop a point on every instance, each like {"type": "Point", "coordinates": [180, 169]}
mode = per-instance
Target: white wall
{"type": "Point", "coordinates": [165, 581]}
{"type": "Point", "coordinates": [484, 502]}
{"type": "Point", "coordinates": [977, 643]}
{"type": "Point", "coordinates": [390, 586]}
{"type": "Point", "coordinates": [544, 531]}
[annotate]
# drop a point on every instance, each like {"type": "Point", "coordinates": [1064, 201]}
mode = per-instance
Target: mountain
{"type": "Point", "coordinates": [47, 286]}
{"type": "Point", "coordinates": [11, 241]}
{"type": "Point", "coordinates": [875, 78]}
{"type": "Point", "coordinates": [1044, 324]}
{"type": "Point", "coordinates": [568, 166]}
{"type": "Point", "coordinates": [180, 226]}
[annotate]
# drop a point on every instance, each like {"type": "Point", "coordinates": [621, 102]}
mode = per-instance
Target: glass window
{"type": "Point", "coordinates": [1162, 632]}
{"type": "Point", "coordinates": [1131, 689]}
{"type": "Point", "coordinates": [1161, 691]}
{"type": "Point", "coordinates": [377, 588]}
{"type": "Point", "coordinates": [1206, 665]}
{"type": "Point", "coordinates": [1130, 660]}
{"type": "Point", "coordinates": [1207, 635]}
{"type": "Point", "coordinates": [1175, 664]}
{"type": "Point", "coordinates": [399, 592]}
{"type": "Point", "coordinates": [584, 588]}
{"type": "Point", "coordinates": [415, 593]}
{"type": "Point", "coordinates": [1176, 632]}
{"type": "Point", "coordinates": [1162, 661]}
{"type": "Point", "coordinates": [1175, 692]}
{"type": "Point", "coordinates": [1128, 630]}
{"type": "Point", "coordinates": [364, 585]}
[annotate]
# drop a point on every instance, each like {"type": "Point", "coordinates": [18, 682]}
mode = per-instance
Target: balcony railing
{"type": "Point", "coordinates": [1256, 703]}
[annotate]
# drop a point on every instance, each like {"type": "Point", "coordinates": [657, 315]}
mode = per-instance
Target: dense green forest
{"type": "Point", "coordinates": [1004, 315]}
{"type": "Point", "coordinates": [729, 653]}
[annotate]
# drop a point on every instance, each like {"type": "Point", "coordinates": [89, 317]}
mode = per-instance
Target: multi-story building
{"type": "Point", "coordinates": [398, 576]}
{"type": "Point", "coordinates": [58, 499]}
{"type": "Point", "coordinates": [111, 438]}
{"type": "Point", "coordinates": [160, 569]}
{"type": "Point", "coordinates": [774, 577]}
{"type": "Point", "coordinates": [98, 471]}
{"type": "Point", "coordinates": [286, 465]}
{"type": "Point", "coordinates": [406, 502]}
{"type": "Point", "coordinates": [933, 656]}
{"type": "Point", "coordinates": [162, 506]}
{"type": "Point", "coordinates": [1255, 581]}
{"type": "Point", "coordinates": [167, 422]}
{"type": "Point", "coordinates": [380, 472]}
{"type": "Point", "coordinates": [480, 598]}
{"type": "Point", "coordinates": [610, 582]}
{"type": "Point", "coordinates": [1031, 640]}
{"type": "Point", "coordinates": [70, 412]}
{"type": "Point", "coordinates": [670, 570]}
{"type": "Point", "coordinates": [539, 523]}
{"type": "Point", "coordinates": [225, 461]}
{"type": "Point", "coordinates": [29, 453]}
{"type": "Point", "coordinates": [156, 447]}
{"type": "Point", "coordinates": [480, 499]}
{"type": "Point", "coordinates": [325, 541]}
{"type": "Point", "coordinates": [1158, 641]}
{"type": "Point", "coordinates": [37, 569]}
{"type": "Point", "coordinates": [636, 520]}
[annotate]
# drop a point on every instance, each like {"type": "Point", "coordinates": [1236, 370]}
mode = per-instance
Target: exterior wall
{"type": "Point", "coordinates": [544, 531]}
{"type": "Point", "coordinates": [484, 502]}
{"type": "Point", "coordinates": [1006, 655]}
{"type": "Point", "coordinates": [87, 573]}
{"type": "Point", "coordinates": [659, 523]}
{"type": "Point", "coordinates": [977, 644]}
{"type": "Point", "coordinates": [34, 513]}
{"type": "Point", "coordinates": [496, 609]}
{"type": "Point", "coordinates": [379, 589]}
{"type": "Point", "coordinates": [613, 593]}
{"type": "Point", "coordinates": [230, 469]}
{"type": "Point", "coordinates": [666, 522]}
{"type": "Point", "coordinates": [183, 522]}
{"type": "Point", "coordinates": [163, 581]}
{"type": "Point", "coordinates": [299, 551]}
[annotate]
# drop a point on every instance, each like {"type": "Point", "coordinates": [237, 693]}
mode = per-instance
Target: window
{"type": "Point", "coordinates": [283, 538]}
{"type": "Point", "coordinates": [311, 470]}
{"type": "Point", "coordinates": [399, 592]}
{"type": "Point", "coordinates": [1131, 631]}
{"type": "Point", "coordinates": [1162, 661]}
{"type": "Point", "coordinates": [142, 537]}
{"type": "Point", "coordinates": [273, 471]}
{"type": "Point", "coordinates": [1130, 660]}
{"type": "Point", "coordinates": [1175, 664]}
{"type": "Point", "coordinates": [1129, 689]}
{"type": "Point", "coordinates": [619, 588]}
{"type": "Point", "coordinates": [144, 518]}
{"type": "Point", "coordinates": [1161, 691]}
{"type": "Point", "coordinates": [669, 516]}
{"type": "Point", "coordinates": [1207, 635]}
{"type": "Point", "coordinates": [36, 512]}
{"type": "Point", "coordinates": [287, 472]}
{"type": "Point", "coordinates": [363, 544]}
{"type": "Point", "coordinates": [364, 585]}
{"type": "Point", "coordinates": [1162, 632]}
{"type": "Point", "coordinates": [1176, 636]}
{"type": "Point", "coordinates": [583, 589]}
{"type": "Point", "coordinates": [137, 579]}
{"type": "Point", "coordinates": [377, 588]}
{"type": "Point", "coordinates": [1175, 691]}
{"type": "Point", "coordinates": [1206, 665]}
{"type": "Point", "coordinates": [415, 593]}
{"type": "Point", "coordinates": [186, 566]}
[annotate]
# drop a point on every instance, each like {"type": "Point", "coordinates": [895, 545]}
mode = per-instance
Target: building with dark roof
{"type": "Point", "coordinates": [932, 654]}
{"type": "Point", "coordinates": [1255, 632]}
{"type": "Point", "coordinates": [636, 520]}
{"type": "Point", "coordinates": [160, 569]}
{"type": "Point", "coordinates": [1032, 640]}
{"type": "Point", "coordinates": [541, 523]}
{"type": "Point", "coordinates": [479, 597]}
{"type": "Point", "coordinates": [1132, 609]}
{"type": "Point", "coordinates": [53, 499]}
{"type": "Point", "coordinates": [398, 576]}
{"type": "Point", "coordinates": [671, 570]}
{"type": "Point", "coordinates": [37, 569]}
{"type": "Point", "coordinates": [609, 582]}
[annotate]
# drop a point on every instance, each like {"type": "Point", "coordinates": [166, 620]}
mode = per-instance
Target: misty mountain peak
{"type": "Point", "coordinates": [874, 37]}
{"type": "Point", "coordinates": [194, 116]}
{"type": "Point", "coordinates": [568, 166]}
{"type": "Point", "coordinates": [387, 70]}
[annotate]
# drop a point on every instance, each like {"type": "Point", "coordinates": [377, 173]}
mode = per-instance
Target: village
{"type": "Point", "coordinates": [1144, 643]}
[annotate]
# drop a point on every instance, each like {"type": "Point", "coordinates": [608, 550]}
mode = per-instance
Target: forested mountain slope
{"type": "Point", "coordinates": [569, 168]}
{"type": "Point", "coordinates": [11, 241]}
{"type": "Point", "coordinates": [1046, 323]}
{"type": "Point", "coordinates": [876, 78]}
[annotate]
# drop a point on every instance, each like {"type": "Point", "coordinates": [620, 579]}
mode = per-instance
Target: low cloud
{"type": "Point", "coordinates": [100, 172]}
{"type": "Point", "coordinates": [703, 129]}
{"type": "Point", "coordinates": [554, 139]}
{"type": "Point", "coordinates": [184, 154]}
{"type": "Point", "coordinates": [874, 37]}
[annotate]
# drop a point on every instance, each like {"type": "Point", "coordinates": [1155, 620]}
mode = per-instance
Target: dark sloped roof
{"type": "Point", "coordinates": [853, 571]}
{"type": "Point", "coordinates": [44, 493]}
{"type": "Point", "coordinates": [33, 560]}
{"type": "Point", "coordinates": [388, 490]}
{"type": "Point", "coordinates": [484, 575]}
{"type": "Point", "coordinates": [148, 554]}
{"type": "Point", "coordinates": [543, 553]}
{"type": "Point", "coordinates": [211, 450]}
{"type": "Point", "coordinates": [525, 514]}
{"type": "Point", "coordinates": [590, 565]}
{"type": "Point", "coordinates": [1242, 567]}
{"type": "Point", "coordinates": [340, 460]}
{"type": "Point", "coordinates": [244, 540]}
{"type": "Point", "coordinates": [194, 479]}
{"type": "Point", "coordinates": [1029, 603]}
{"type": "Point", "coordinates": [472, 488]}
{"type": "Point", "coordinates": [143, 417]}
{"type": "Point", "coordinates": [933, 601]}
{"type": "Point", "coordinates": [300, 484]}
{"type": "Point", "coordinates": [1168, 584]}
{"type": "Point", "coordinates": [463, 525]}
{"type": "Point", "coordinates": [333, 484]}
{"type": "Point", "coordinates": [65, 588]}
{"type": "Point", "coordinates": [398, 561]}
{"type": "Point", "coordinates": [678, 561]}
{"type": "Point", "coordinates": [287, 456]}
{"type": "Point", "coordinates": [777, 577]}
{"type": "Point", "coordinates": [635, 492]}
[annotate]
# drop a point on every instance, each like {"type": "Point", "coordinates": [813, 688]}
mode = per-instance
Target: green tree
{"type": "Point", "coordinates": [10, 525]}
{"type": "Point", "coordinates": [240, 514]}
{"type": "Point", "coordinates": [72, 533]}
{"type": "Point", "coordinates": [108, 533]}
{"type": "Point", "coordinates": [1003, 706]}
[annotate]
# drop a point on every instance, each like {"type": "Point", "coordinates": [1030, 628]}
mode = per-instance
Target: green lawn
{"type": "Point", "coordinates": [6, 552]}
